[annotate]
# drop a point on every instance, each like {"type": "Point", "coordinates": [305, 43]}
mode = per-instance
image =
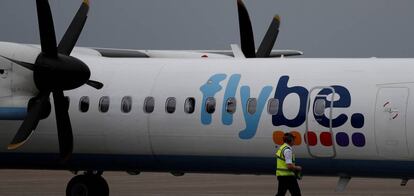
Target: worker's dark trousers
{"type": "Point", "coordinates": [288, 183]}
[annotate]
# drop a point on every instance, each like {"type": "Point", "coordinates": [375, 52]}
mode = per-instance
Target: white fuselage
{"type": "Point", "coordinates": [366, 124]}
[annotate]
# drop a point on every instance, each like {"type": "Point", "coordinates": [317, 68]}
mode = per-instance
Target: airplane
{"type": "Point", "coordinates": [199, 111]}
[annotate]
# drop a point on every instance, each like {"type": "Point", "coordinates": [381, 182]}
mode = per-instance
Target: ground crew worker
{"type": "Point", "coordinates": [286, 170]}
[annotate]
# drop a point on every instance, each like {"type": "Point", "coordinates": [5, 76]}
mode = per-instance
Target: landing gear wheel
{"type": "Point", "coordinates": [87, 185]}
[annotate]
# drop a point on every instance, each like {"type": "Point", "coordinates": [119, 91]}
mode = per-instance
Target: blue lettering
{"type": "Point", "coordinates": [252, 120]}
{"type": "Point", "coordinates": [344, 101]}
{"type": "Point", "coordinates": [282, 91]}
{"type": "Point", "coordinates": [213, 86]}
{"type": "Point", "coordinates": [231, 89]}
{"type": "Point", "coordinates": [209, 90]}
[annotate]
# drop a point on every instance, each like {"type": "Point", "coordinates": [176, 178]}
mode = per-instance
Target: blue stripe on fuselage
{"type": "Point", "coordinates": [207, 164]}
{"type": "Point", "coordinates": [10, 113]}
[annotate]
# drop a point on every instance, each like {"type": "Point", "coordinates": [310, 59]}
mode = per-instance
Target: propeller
{"type": "Point", "coordinates": [54, 72]}
{"type": "Point", "coordinates": [247, 36]}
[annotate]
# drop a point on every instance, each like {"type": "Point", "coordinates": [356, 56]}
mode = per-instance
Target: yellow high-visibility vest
{"type": "Point", "coordinates": [281, 166]}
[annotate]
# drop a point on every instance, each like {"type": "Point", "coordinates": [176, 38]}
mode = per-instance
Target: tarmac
{"type": "Point", "coordinates": [53, 183]}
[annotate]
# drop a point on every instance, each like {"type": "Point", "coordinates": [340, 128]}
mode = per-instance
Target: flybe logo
{"type": "Point", "coordinates": [213, 86]}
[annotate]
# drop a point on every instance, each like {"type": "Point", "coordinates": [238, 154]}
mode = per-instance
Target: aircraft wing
{"type": "Point", "coordinates": [273, 54]}
{"type": "Point", "coordinates": [131, 53]}
{"type": "Point", "coordinates": [125, 53]}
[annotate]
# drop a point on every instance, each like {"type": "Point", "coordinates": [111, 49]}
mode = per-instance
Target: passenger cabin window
{"type": "Point", "coordinates": [319, 107]}
{"type": "Point", "coordinates": [149, 105]}
{"type": "Point", "coordinates": [170, 105]}
{"type": "Point", "coordinates": [251, 105]}
{"type": "Point", "coordinates": [84, 104]}
{"type": "Point", "coordinates": [189, 105]}
{"type": "Point", "coordinates": [126, 104]}
{"type": "Point", "coordinates": [210, 105]}
{"type": "Point", "coordinates": [104, 104]}
{"type": "Point", "coordinates": [231, 105]}
{"type": "Point", "coordinates": [273, 106]}
{"type": "Point", "coordinates": [3, 73]}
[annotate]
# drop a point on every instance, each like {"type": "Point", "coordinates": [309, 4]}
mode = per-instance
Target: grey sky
{"type": "Point", "coordinates": [320, 28]}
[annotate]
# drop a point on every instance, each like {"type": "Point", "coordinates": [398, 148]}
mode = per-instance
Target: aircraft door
{"type": "Point", "coordinates": [390, 122]}
{"type": "Point", "coordinates": [319, 137]}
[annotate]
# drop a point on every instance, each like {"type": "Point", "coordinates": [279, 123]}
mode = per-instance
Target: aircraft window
{"type": "Point", "coordinates": [126, 104]}
{"type": "Point", "coordinates": [319, 107]}
{"type": "Point", "coordinates": [210, 105]}
{"type": "Point", "coordinates": [149, 104]}
{"type": "Point", "coordinates": [84, 104]}
{"type": "Point", "coordinates": [104, 104]}
{"type": "Point", "coordinates": [273, 106]}
{"type": "Point", "coordinates": [251, 105]}
{"type": "Point", "coordinates": [231, 105]}
{"type": "Point", "coordinates": [3, 73]}
{"type": "Point", "coordinates": [189, 105]}
{"type": "Point", "coordinates": [170, 105]}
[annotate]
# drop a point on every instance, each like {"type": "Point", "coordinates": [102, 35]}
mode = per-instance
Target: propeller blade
{"type": "Point", "coordinates": [64, 127]}
{"type": "Point", "coordinates": [71, 36]}
{"type": "Point", "coordinates": [246, 31]}
{"type": "Point", "coordinates": [38, 105]}
{"type": "Point", "coordinates": [95, 84]}
{"type": "Point", "coordinates": [270, 38]}
{"type": "Point", "coordinates": [23, 64]}
{"type": "Point", "coordinates": [46, 28]}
